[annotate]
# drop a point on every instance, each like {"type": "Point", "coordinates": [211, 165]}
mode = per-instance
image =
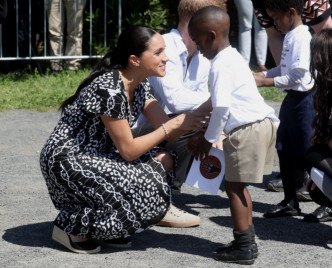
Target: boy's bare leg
{"type": "Point", "coordinates": [240, 205]}
{"type": "Point", "coordinates": [249, 202]}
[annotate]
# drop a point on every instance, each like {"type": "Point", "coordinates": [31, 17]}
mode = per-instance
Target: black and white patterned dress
{"type": "Point", "coordinates": [98, 193]}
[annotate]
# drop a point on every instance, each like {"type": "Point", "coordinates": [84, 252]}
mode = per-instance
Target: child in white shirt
{"type": "Point", "coordinates": [296, 111]}
{"type": "Point", "coordinates": [241, 113]}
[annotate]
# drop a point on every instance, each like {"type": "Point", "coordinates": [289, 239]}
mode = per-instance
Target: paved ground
{"type": "Point", "coordinates": [26, 215]}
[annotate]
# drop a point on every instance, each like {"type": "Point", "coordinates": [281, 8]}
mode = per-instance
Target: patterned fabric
{"type": "Point", "coordinates": [98, 193]}
{"type": "Point", "coordinates": [313, 12]}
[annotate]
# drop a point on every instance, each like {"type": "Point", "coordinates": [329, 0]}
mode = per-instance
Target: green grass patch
{"type": "Point", "coordinates": [271, 93]}
{"type": "Point", "coordinates": [34, 92]}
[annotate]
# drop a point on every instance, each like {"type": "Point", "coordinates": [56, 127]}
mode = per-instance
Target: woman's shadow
{"type": "Point", "coordinates": [38, 235]}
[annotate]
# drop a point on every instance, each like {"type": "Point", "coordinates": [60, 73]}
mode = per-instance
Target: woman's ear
{"type": "Point", "coordinates": [134, 61]}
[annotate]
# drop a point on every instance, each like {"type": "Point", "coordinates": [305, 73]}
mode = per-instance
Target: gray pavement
{"type": "Point", "coordinates": [26, 215]}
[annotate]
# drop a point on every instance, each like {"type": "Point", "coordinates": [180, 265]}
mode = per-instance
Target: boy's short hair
{"type": "Point", "coordinates": [187, 8]}
{"type": "Point", "coordinates": [284, 5]}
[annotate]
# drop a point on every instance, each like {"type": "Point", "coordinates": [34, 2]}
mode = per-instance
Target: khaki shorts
{"type": "Point", "coordinates": [249, 152]}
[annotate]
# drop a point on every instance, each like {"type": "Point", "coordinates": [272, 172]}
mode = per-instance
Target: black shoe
{"type": "Point", "coordinates": [302, 194]}
{"type": "Point", "coordinates": [115, 243]}
{"type": "Point", "coordinates": [226, 247]}
{"type": "Point", "coordinates": [235, 255]}
{"type": "Point", "coordinates": [321, 214]}
{"type": "Point", "coordinates": [282, 211]}
{"type": "Point", "coordinates": [86, 247]}
{"type": "Point", "coordinates": [275, 185]}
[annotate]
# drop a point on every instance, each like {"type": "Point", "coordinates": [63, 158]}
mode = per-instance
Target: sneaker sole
{"type": "Point", "coordinates": [62, 238]}
{"type": "Point", "coordinates": [179, 224]}
{"type": "Point", "coordinates": [105, 244]}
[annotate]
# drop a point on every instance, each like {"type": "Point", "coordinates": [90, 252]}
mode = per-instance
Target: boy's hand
{"type": "Point", "coordinates": [198, 146]}
{"type": "Point", "coordinates": [259, 78]}
{"type": "Point", "coordinates": [262, 81]}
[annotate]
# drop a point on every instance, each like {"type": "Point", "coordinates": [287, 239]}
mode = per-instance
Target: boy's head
{"type": "Point", "coordinates": [209, 29]}
{"type": "Point", "coordinates": [187, 8]}
{"type": "Point", "coordinates": [285, 13]}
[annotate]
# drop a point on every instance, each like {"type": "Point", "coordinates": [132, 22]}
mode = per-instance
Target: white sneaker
{"type": "Point", "coordinates": [179, 218]}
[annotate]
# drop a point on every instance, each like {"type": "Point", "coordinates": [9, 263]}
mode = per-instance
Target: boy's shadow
{"type": "Point", "coordinates": [290, 230]}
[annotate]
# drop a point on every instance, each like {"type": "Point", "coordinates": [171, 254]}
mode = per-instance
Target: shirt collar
{"type": "Point", "coordinates": [221, 53]}
{"type": "Point", "coordinates": [296, 30]}
{"type": "Point", "coordinates": [180, 43]}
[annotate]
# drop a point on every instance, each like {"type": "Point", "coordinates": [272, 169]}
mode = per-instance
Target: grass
{"type": "Point", "coordinates": [34, 92]}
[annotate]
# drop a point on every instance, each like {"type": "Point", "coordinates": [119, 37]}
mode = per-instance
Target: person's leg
{"type": "Point", "coordinates": [240, 205]}
{"type": "Point", "coordinates": [75, 9]}
{"type": "Point", "coordinates": [260, 44]}
{"type": "Point", "coordinates": [240, 250]}
{"type": "Point", "coordinates": [166, 160]}
{"type": "Point", "coordinates": [245, 16]}
{"type": "Point", "coordinates": [184, 160]}
{"type": "Point", "coordinates": [275, 41]}
{"type": "Point", "coordinates": [175, 217]}
{"type": "Point", "coordinates": [55, 13]}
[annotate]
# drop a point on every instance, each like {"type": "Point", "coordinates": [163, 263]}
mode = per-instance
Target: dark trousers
{"type": "Point", "coordinates": [291, 167]}
{"type": "Point", "coordinates": [293, 140]}
{"type": "Point", "coordinates": [179, 146]}
{"type": "Point", "coordinates": [320, 157]}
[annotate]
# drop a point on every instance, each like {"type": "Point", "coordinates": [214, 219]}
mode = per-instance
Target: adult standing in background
{"type": "Point", "coordinates": [247, 20]}
{"type": "Point", "coordinates": [69, 13]}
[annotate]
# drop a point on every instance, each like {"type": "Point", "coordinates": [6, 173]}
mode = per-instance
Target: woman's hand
{"type": "Point", "coordinates": [192, 121]}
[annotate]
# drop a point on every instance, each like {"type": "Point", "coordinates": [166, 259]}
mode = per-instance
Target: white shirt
{"type": "Point", "coordinates": [183, 88]}
{"type": "Point", "coordinates": [293, 71]}
{"type": "Point", "coordinates": [233, 88]}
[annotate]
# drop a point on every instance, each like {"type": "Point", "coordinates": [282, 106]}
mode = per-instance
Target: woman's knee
{"type": "Point", "coordinates": [166, 160]}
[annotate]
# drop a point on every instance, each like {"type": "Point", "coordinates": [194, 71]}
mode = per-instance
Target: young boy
{"type": "Point", "coordinates": [241, 113]}
{"type": "Point", "coordinates": [296, 111]}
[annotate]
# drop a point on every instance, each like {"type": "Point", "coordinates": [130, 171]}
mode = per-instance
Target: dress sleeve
{"type": "Point", "coordinates": [147, 89]}
{"type": "Point", "coordinates": [106, 96]}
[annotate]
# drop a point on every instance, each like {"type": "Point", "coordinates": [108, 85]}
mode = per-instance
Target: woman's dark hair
{"type": "Point", "coordinates": [132, 41]}
{"type": "Point", "coordinates": [284, 5]}
{"type": "Point", "coordinates": [321, 71]}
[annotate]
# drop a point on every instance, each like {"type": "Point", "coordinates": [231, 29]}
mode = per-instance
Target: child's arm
{"type": "Point", "coordinates": [201, 146]}
{"type": "Point", "coordinates": [290, 80]}
{"type": "Point", "coordinates": [266, 79]}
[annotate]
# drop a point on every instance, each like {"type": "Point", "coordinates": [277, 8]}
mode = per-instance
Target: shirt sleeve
{"type": "Point", "coordinates": [172, 91]}
{"type": "Point", "coordinates": [221, 84]}
{"type": "Point", "coordinates": [290, 80]}
{"type": "Point", "coordinates": [271, 73]}
{"type": "Point", "coordinates": [217, 124]}
{"type": "Point", "coordinates": [106, 98]}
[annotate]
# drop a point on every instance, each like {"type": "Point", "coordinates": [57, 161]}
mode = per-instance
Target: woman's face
{"type": "Point", "coordinates": [153, 60]}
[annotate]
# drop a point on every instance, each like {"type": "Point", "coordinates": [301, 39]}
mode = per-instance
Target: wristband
{"type": "Point", "coordinates": [165, 130]}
